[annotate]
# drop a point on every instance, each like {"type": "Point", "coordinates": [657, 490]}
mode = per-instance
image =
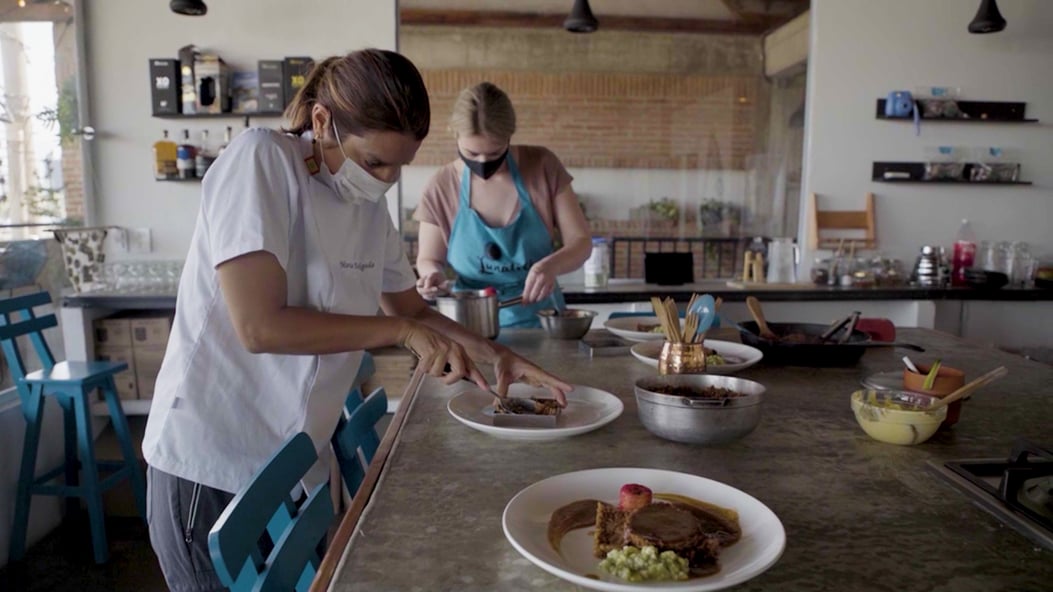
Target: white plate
{"type": "Point", "coordinates": [587, 409]}
{"type": "Point", "coordinates": [526, 517]}
{"type": "Point", "coordinates": [625, 327]}
{"type": "Point", "coordinates": [742, 355]}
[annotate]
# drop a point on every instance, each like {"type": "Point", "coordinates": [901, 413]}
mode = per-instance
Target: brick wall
{"type": "Point", "coordinates": [615, 120]}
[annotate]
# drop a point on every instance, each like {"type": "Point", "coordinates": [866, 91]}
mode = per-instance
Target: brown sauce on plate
{"type": "Point", "coordinates": [666, 523]}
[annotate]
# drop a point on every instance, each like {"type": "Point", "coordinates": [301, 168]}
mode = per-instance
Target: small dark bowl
{"type": "Point", "coordinates": [986, 280]}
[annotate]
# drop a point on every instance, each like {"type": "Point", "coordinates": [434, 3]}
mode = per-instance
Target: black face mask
{"type": "Point", "coordinates": [485, 169]}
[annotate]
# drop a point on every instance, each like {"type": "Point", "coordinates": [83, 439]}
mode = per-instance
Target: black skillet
{"type": "Point", "coordinates": [813, 354]}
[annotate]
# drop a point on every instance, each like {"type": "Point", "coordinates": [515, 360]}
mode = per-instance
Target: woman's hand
{"type": "Point", "coordinates": [437, 352]}
{"type": "Point", "coordinates": [509, 368]}
{"type": "Point", "coordinates": [433, 284]}
{"type": "Point", "coordinates": [540, 282]}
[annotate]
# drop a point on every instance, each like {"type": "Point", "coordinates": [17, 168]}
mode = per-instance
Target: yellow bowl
{"type": "Point", "coordinates": [897, 417]}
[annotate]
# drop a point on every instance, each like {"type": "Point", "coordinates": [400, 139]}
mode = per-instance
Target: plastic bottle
{"type": "Point", "coordinates": [597, 265]}
{"type": "Point", "coordinates": [964, 255]}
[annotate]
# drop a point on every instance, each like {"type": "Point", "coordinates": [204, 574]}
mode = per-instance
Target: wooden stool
{"type": "Point", "coordinates": [72, 384]}
{"type": "Point", "coordinates": [863, 222]}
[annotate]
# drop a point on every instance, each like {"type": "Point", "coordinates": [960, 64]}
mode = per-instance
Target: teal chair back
{"type": "Point", "coordinates": [265, 505]}
{"type": "Point", "coordinates": [17, 319]}
{"type": "Point", "coordinates": [356, 440]}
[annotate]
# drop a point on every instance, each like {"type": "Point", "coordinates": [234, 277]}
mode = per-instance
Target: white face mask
{"type": "Point", "coordinates": [354, 182]}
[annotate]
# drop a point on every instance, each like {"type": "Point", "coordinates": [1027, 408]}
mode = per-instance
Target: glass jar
{"type": "Point", "coordinates": [888, 272]}
{"type": "Point", "coordinates": [862, 273]}
{"type": "Point", "coordinates": [821, 268]}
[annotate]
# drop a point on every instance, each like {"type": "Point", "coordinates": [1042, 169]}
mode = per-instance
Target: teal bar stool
{"type": "Point", "coordinates": [72, 385]}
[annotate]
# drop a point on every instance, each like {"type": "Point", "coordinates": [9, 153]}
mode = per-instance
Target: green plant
{"type": "Point", "coordinates": [64, 114]}
{"type": "Point", "coordinates": [666, 208]}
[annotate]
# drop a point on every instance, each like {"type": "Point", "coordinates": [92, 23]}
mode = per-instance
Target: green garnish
{"type": "Point", "coordinates": [930, 379]}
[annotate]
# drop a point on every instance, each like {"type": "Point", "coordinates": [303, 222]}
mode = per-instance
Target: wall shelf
{"type": "Point", "coordinates": [977, 112]}
{"type": "Point", "coordinates": [217, 115]}
{"type": "Point", "coordinates": [950, 181]}
{"type": "Point", "coordinates": [190, 180]}
{"type": "Point", "coordinates": [916, 174]}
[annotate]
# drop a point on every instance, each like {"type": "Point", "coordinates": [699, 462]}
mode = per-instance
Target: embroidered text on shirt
{"type": "Point", "coordinates": [357, 265]}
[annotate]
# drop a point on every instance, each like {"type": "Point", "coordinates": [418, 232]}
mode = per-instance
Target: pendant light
{"type": "Point", "coordinates": [987, 19]}
{"type": "Point", "coordinates": [580, 19]}
{"type": "Point", "coordinates": [188, 7]}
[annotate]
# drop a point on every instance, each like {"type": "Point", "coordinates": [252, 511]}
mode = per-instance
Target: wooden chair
{"type": "Point", "coordinates": [829, 229]}
{"type": "Point", "coordinates": [72, 384]}
{"type": "Point", "coordinates": [356, 440]}
{"type": "Point", "coordinates": [265, 506]}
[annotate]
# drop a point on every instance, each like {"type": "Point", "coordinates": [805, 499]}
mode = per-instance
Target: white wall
{"type": "Point", "coordinates": [861, 50]}
{"type": "Point", "coordinates": [123, 34]}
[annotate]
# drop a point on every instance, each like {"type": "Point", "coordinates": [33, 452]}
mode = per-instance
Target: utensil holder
{"type": "Point", "coordinates": [682, 358]}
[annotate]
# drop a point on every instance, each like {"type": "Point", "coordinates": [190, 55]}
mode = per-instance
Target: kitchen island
{"type": "Point", "coordinates": [1004, 317]}
{"type": "Point", "coordinates": [859, 514]}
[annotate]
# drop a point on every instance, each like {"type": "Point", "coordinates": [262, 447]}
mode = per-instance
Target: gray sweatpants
{"type": "Point", "coordinates": [180, 514]}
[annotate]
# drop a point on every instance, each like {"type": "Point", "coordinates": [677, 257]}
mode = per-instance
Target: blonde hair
{"type": "Point", "coordinates": [483, 109]}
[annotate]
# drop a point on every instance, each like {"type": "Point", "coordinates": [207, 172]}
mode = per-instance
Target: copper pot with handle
{"type": "Point", "coordinates": [476, 310]}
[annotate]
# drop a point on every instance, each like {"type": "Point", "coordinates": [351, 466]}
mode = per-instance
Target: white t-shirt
{"type": "Point", "coordinates": [219, 412]}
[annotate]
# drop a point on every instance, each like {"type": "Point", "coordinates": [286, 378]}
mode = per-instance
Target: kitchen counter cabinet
{"type": "Point", "coordinates": [859, 514]}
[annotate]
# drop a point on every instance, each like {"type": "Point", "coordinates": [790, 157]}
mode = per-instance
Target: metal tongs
{"type": "Point", "coordinates": [848, 323]}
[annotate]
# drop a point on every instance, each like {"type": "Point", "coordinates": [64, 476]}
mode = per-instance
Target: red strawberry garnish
{"type": "Point", "coordinates": [633, 496]}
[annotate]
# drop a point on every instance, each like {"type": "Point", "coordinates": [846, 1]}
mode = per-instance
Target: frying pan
{"type": "Point", "coordinates": [813, 354]}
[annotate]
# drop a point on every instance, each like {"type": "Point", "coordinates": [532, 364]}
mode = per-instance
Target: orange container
{"type": "Point", "coordinates": [947, 381]}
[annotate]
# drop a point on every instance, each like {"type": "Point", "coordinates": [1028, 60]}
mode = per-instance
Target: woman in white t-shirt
{"type": "Point", "coordinates": [293, 255]}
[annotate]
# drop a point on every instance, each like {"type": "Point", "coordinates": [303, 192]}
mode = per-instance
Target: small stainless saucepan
{"type": "Point", "coordinates": [475, 309]}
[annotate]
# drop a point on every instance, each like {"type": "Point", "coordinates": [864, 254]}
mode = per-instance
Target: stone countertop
{"type": "Point", "coordinates": [638, 291]}
{"type": "Point", "coordinates": [859, 514]}
{"type": "Point", "coordinates": [635, 291]}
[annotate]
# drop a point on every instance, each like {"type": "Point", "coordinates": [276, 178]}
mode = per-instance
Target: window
{"type": "Point", "coordinates": [41, 180]}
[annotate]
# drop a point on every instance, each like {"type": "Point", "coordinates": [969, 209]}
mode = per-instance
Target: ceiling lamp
{"type": "Point", "coordinates": [580, 19]}
{"type": "Point", "coordinates": [987, 19]}
{"type": "Point", "coordinates": [188, 7]}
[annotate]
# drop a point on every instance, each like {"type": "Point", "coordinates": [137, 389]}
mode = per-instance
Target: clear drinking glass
{"type": "Point", "coordinates": [1001, 257]}
{"type": "Point", "coordinates": [1021, 264]}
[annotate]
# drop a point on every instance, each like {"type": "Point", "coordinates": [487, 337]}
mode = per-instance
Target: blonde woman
{"type": "Point", "coordinates": [493, 214]}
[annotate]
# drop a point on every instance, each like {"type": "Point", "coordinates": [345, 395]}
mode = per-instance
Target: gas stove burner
{"type": "Point", "coordinates": [1018, 490]}
{"type": "Point", "coordinates": [1037, 495]}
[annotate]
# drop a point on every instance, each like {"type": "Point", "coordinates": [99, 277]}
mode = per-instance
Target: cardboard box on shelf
{"type": "Point", "coordinates": [212, 80]}
{"type": "Point", "coordinates": [188, 91]}
{"type": "Point", "coordinates": [151, 331]}
{"type": "Point", "coordinates": [295, 71]}
{"type": "Point", "coordinates": [165, 86]}
{"type": "Point", "coordinates": [127, 388]}
{"type": "Point", "coordinates": [271, 82]}
{"type": "Point", "coordinates": [147, 365]}
{"type": "Point", "coordinates": [113, 332]}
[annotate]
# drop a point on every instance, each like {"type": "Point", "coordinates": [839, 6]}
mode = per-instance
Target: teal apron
{"type": "Point", "coordinates": [485, 256]}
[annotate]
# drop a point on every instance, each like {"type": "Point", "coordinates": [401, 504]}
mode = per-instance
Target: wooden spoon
{"type": "Point", "coordinates": [758, 315]}
{"type": "Point", "coordinates": [972, 386]}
